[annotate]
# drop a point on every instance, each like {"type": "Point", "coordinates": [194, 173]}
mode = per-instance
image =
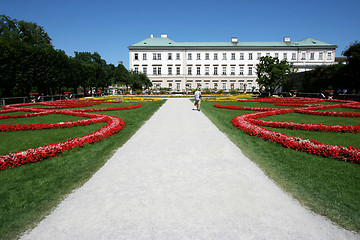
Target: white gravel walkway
{"type": "Point", "coordinates": [179, 177]}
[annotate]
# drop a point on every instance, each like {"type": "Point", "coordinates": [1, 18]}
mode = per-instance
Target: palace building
{"type": "Point", "coordinates": [183, 66]}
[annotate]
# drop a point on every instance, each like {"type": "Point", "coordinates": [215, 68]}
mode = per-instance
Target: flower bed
{"type": "Point", "coordinates": [113, 125]}
{"type": "Point", "coordinates": [249, 124]}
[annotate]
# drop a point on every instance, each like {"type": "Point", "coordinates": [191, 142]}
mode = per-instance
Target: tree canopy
{"type": "Point", "coordinates": [26, 32]}
{"type": "Point", "coordinates": [29, 63]}
{"type": "Point", "coordinates": [272, 72]}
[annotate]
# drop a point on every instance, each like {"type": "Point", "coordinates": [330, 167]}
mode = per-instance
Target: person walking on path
{"type": "Point", "coordinates": [198, 97]}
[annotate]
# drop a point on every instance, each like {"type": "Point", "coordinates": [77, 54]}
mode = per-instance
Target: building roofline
{"type": "Point", "coordinates": [167, 43]}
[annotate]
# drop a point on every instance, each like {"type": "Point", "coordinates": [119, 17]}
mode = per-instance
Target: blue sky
{"type": "Point", "coordinates": [109, 26]}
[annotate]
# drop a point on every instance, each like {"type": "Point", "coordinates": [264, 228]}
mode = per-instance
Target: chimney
{"type": "Point", "coordinates": [152, 35]}
{"type": "Point", "coordinates": [163, 35]}
{"type": "Point", "coordinates": [234, 40]}
{"type": "Point", "coordinates": [286, 39]}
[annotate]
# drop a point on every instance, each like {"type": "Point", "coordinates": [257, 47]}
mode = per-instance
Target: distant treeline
{"type": "Point", "coordinates": [30, 64]}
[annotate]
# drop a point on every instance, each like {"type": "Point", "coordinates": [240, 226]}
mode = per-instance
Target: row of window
{"type": "Point", "coordinates": [241, 56]}
{"type": "Point", "coordinates": [216, 70]}
{"type": "Point", "coordinates": [157, 70]}
{"type": "Point", "coordinates": [207, 85]}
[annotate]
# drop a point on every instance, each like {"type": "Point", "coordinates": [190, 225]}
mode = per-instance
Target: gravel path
{"type": "Point", "coordinates": [179, 177]}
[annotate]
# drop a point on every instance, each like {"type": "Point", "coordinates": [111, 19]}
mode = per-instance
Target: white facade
{"type": "Point", "coordinates": [221, 65]}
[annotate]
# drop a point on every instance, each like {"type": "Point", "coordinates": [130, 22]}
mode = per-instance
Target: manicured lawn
{"type": "Point", "coordinates": [326, 186]}
{"type": "Point", "coordinates": [51, 118]}
{"type": "Point", "coordinates": [334, 138]}
{"type": "Point", "coordinates": [28, 193]}
{"type": "Point", "coordinates": [314, 119]}
{"type": "Point", "coordinates": [37, 138]}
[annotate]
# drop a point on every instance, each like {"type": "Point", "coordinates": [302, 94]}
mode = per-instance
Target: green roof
{"type": "Point", "coordinates": [164, 42]}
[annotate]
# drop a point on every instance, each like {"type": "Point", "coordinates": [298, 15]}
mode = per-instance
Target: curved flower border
{"type": "Point", "coordinates": [248, 123]}
{"type": "Point", "coordinates": [113, 125]}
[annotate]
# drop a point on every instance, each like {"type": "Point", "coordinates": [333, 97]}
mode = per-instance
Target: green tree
{"type": "Point", "coordinates": [29, 62]}
{"type": "Point", "coordinates": [352, 53]}
{"type": "Point", "coordinates": [121, 75]}
{"type": "Point", "coordinates": [26, 32]}
{"type": "Point", "coordinates": [110, 71]}
{"type": "Point", "coordinates": [27, 57]}
{"type": "Point", "coordinates": [76, 75]}
{"type": "Point", "coordinates": [9, 65]}
{"type": "Point", "coordinates": [352, 68]}
{"type": "Point", "coordinates": [145, 81]}
{"type": "Point", "coordinates": [272, 72]}
{"type": "Point", "coordinates": [139, 80]}
{"type": "Point", "coordinates": [322, 77]}
{"type": "Point", "coordinates": [96, 74]}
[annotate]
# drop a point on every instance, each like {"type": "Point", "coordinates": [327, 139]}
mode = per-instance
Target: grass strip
{"type": "Point", "coordinates": [51, 118]}
{"type": "Point", "coordinates": [328, 187]}
{"type": "Point", "coordinates": [37, 138]}
{"type": "Point", "coordinates": [313, 119]}
{"type": "Point", "coordinates": [30, 192]}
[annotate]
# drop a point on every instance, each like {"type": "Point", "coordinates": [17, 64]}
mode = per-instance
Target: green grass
{"type": "Point", "coordinates": [51, 118]}
{"type": "Point", "coordinates": [37, 138]}
{"type": "Point", "coordinates": [326, 186]}
{"type": "Point", "coordinates": [340, 110]}
{"type": "Point", "coordinates": [13, 113]}
{"type": "Point", "coordinates": [314, 119]}
{"type": "Point", "coordinates": [30, 192]}
{"type": "Point", "coordinates": [334, 138]}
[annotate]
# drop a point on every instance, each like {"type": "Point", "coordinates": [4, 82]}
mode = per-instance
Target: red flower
{"type": "Point", "coordinates": [248, 123]}
{"type": "Point", "coordinates": [113, 125]}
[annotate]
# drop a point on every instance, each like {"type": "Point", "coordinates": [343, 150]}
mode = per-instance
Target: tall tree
{"type": "Point", "coordinates": [271, 72]}
{"type": "Point", "coordinates": [121, 75]}
{"type": "Point", "coordinates": [9, 67]}
{"type": "Point", "coordinates": [352, 68]}
{"type": "Point", "coordinates": [26, 32]}
{"type": "Point", "coordinates": [25, 47]}
{"type": "Point", "coordinates": [95, 66]}
{"type": "Point", "coordinates": [29, 62]}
